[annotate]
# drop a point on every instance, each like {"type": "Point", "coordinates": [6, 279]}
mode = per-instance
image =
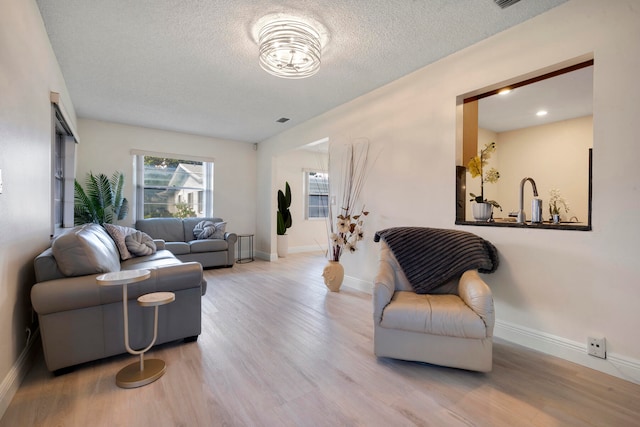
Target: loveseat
{"type": "Point", "coordinates": [216, 250]}
{"type": "Point", "coordinates": [81, 321]}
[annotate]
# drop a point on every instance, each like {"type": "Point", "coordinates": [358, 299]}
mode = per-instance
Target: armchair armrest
{"type": "Point", "coordinates": [477, 295]}
{"type": "Point", "coordinates": [231, 238]}
{"type": "Point", "coordinates": [383, 289]}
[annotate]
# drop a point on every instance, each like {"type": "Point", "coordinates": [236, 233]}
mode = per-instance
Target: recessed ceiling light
{"type": "Point", "coordinates": [541, 113]}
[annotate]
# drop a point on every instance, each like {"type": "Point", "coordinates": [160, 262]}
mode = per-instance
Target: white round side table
{"type": "Point", "coordinates": [147, 371]}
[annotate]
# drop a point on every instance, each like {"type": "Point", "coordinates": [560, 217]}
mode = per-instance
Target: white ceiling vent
{"type": "Point", "coordinates": [505, 3]}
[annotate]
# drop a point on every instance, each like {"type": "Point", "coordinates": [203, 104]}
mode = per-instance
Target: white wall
{"type": "Point", "coordinates": [304, 234]}
{"type": "Point", "coordinates": [28, 72]}
{"type": "Point", "coordinates": [106, 147]}
{"type": "Point", "coordinates": [555, 156]}
{"type": "Point", "coordinates": [553, 288]}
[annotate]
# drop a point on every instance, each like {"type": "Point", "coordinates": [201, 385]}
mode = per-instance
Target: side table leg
{"type": "Point", "coordinates": [134, 374]}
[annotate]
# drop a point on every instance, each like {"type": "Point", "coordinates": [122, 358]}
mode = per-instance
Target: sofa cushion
{"type": "Point", "coordinates": [119, 233]}
{"type": "Point", "coordinates": [159, 258]}
{"type": "Point", "coordinates": [140, 243]}
{"type": "Point", "coordinates": [178, 248]}
{"type": "Point", "coordinates": [208, 245]}
{"type": "Point", "coordinates": [86, 249]}
{"type": "Point", "coordinates": [168, 229]}
{"type": "Point", "coordinates": [445, 315]}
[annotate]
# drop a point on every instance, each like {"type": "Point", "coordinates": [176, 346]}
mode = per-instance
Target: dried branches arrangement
{"type": "Point", "coordinates": [346, 225]}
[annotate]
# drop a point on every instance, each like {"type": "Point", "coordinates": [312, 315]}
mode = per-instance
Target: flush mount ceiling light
{"type": "Point", "coordinates": [289, 49]}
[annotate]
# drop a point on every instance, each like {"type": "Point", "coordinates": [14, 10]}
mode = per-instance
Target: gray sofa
{"type": "Point", "coordinates": [81, 321]}
{"type": "Point", "coordinates": [180, 240]}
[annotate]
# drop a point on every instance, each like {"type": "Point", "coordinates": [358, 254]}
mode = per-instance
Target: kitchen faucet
{"type": "Point", "coordinates": [522, 218]}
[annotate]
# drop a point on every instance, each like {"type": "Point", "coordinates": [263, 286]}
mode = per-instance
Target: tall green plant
{"type": "Point", "coordinates": [103, 200]}
{"type": "Point", "coordinates": [283, 214]}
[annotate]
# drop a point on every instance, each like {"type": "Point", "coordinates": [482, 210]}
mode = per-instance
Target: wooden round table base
{"type": "Point", "coordinates": [131, 376]}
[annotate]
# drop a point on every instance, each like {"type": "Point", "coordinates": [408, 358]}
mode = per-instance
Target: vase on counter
{"type": "Point", "coordinates": [482, 211]}
{"type": "Point", "coordinates": [555, 218]}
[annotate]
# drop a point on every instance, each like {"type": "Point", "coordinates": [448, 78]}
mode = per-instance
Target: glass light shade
{"type": "Point", "coordinates": [289, 49]}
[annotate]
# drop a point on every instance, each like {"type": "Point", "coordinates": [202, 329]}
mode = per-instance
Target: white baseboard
{"type": "Point", "coordinates": [358, 284]}
{"type": "Point", "coordinates": [312, 248]}
{"type": "Point", "coordinates": [616, 365]}
{"type": "Point", "coordinates": [292, 250]}
{"type": "Point", "coordinates": [266, 256]}
{"type": "Point", "coordinates": [18, 371]}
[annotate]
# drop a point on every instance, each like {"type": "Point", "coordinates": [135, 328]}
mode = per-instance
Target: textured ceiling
{"type": "Point", "coordinates": [192, 65]}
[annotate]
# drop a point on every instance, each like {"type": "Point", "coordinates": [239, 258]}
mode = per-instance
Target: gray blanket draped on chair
{"type": "Point", "coordinates": [431, 257]}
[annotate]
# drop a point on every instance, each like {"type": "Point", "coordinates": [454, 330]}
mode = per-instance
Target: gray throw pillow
{"type": "Point", "coordinates": [140, 244]}
{"type": "Point", "coordinates": [86, 249]}
{"type": "Point", "coordinates": [204, 230]}
{"type": "Point", "coordinates": [118, 233]}
{"type": "Point", "coordinates": [220, 228]}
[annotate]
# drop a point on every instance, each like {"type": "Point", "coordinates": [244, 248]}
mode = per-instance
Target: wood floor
{"type": "Point", "coordinates": [278, 349]}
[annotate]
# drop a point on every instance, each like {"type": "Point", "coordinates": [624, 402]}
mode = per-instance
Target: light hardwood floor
{"type": "Point", "coordinates": [278, 349]}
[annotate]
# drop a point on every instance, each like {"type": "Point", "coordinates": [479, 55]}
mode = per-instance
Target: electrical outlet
{"type": "Point", "coordinates": [597, 347]}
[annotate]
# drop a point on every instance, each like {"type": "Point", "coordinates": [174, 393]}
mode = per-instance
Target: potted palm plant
{"type": "Point", "coordinates": [284, 220]}
{"type": "Point", "coordinates": [103, 200]}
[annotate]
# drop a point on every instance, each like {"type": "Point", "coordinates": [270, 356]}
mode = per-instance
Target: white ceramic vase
{"type": "Point", "coordinates": [333, 274]}
{"type": "Point", "coordinates": [482, 211]}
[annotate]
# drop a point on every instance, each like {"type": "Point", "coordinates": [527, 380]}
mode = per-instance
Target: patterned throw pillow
{"type": "Point", "coordinates": [209, 230]}
{"type": "Point", "coordinates": [204, 230]}
{"type": "Point", "coordinates": [140, 243]}
{"type": "Point", "coordinates": [119, 233]}
{"type": "Point", "coordinates": [220, 228]}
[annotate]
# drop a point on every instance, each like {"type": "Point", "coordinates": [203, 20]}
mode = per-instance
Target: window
{"type": "Point", "coordinates": [58, 179]}
{"type": "Point", "coordinates": [317, 200]}
{"type": "Point", "coordinates": [173, 186]}
{"type": "Point", "coordinates": [63, 151]}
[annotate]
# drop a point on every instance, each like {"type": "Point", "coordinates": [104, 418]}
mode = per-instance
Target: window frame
{"type": "Point", "coordinates": [139, 188]}
{"type": "Point", "coordinates": [308, 193]}
{"type": "Point", "coordinates": [63, 174]}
